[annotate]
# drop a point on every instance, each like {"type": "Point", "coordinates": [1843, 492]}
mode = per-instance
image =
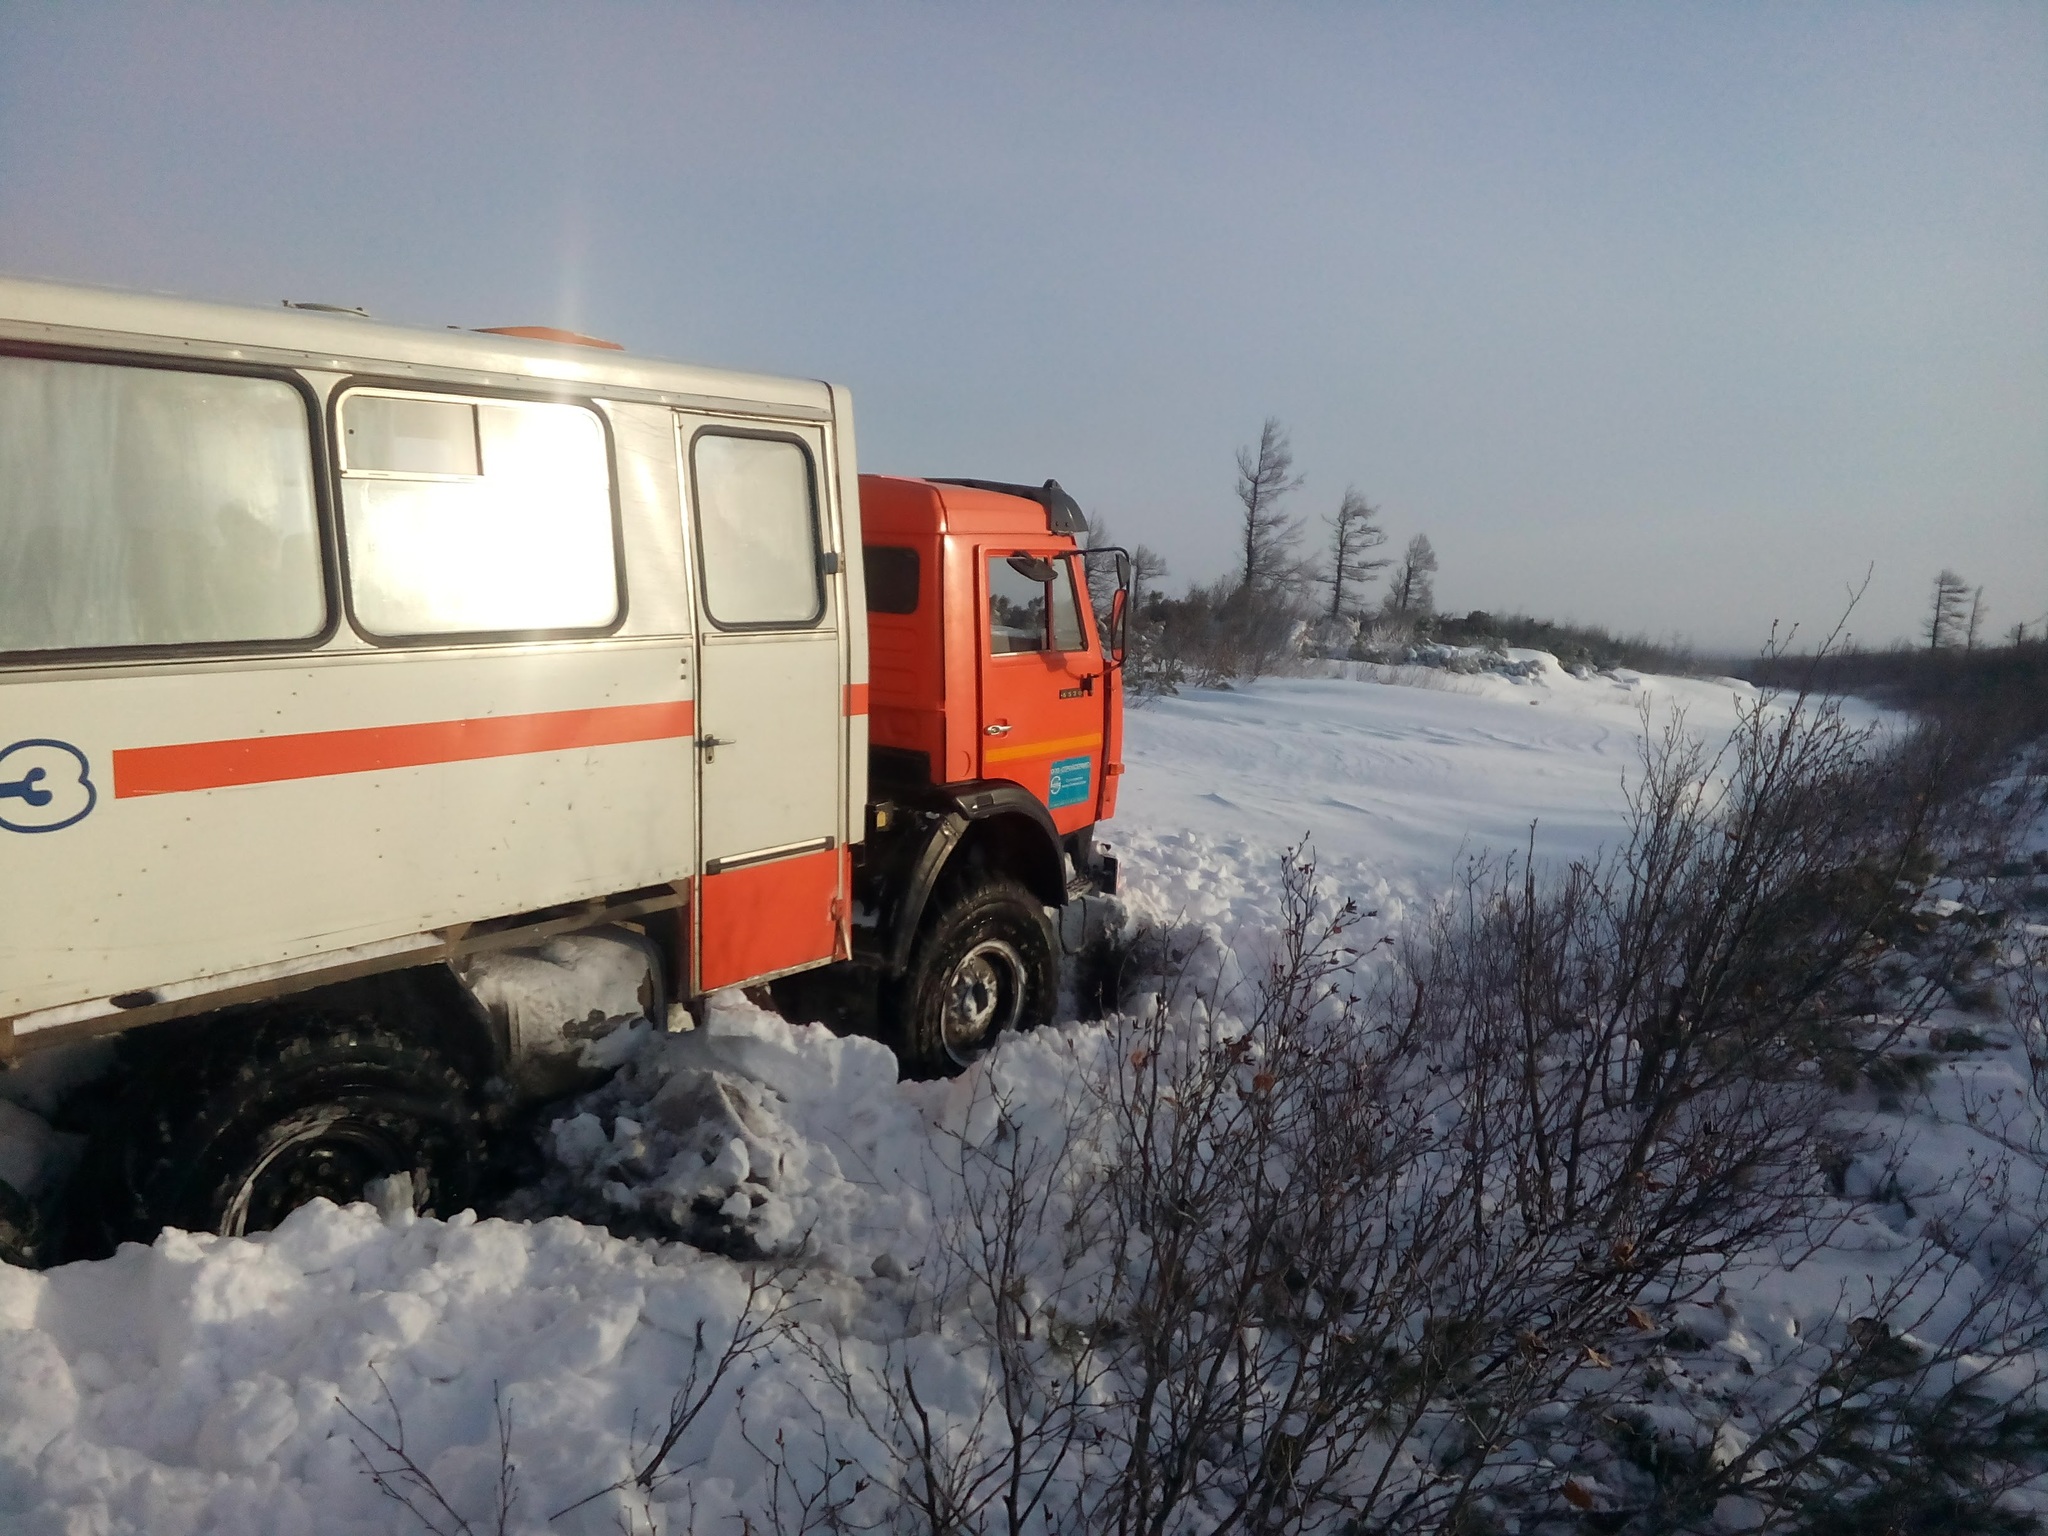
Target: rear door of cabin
{"type": "Point", "coordinates": [771, 888]}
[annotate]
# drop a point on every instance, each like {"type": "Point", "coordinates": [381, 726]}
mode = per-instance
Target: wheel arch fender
{"type": "Point", "coordinates": [1004, 826]}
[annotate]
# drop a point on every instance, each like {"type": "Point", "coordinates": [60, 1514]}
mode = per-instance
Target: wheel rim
{"type": "Point", "coordinates": [984, 997]}
{"type": "Point", "coordinates": [318, 1153]}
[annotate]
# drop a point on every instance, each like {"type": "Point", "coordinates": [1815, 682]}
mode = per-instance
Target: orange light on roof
{"type": "Point", "coordinates": [549, 333]}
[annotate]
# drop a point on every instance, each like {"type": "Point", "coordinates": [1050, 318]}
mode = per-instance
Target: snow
{"type": "Point", "coordinates": [1394, 784]}
{"type": "Point", "coordinates": [220, 1385]}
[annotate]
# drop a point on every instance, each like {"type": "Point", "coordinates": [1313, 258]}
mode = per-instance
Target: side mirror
{"type": "Point", "coordinates": [1114, 621]}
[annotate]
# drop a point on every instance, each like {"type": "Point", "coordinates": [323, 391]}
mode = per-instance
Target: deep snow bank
{"type": "Point", "coordinates": [205, 1384]}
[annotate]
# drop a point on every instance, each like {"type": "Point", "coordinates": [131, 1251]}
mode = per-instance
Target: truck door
{"type": "Point", "coordinates": [1041, 681]}
{"type": "Point", "coordinates": [770, 684]}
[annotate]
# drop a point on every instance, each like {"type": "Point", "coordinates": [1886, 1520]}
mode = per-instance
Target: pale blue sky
{"type": "Point", "coordinates": [1674, 318]}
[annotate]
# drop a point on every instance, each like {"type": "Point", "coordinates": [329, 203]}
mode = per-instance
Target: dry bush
{"type": "Point", "coordinates": [1221, 633]}
{"type": "Point", "coordinates": [1317, 1265]}
{"type": "Point", "coordinates": [1339, 1252]}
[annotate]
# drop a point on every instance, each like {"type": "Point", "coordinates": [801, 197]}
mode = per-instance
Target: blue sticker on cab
{"type": "Point", "coordinates": [1071, 777]}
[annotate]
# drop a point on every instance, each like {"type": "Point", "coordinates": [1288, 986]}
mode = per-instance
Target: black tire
{"type": "Point", "coordinates": [267, 1118]}
{"type": "Point", "coordinates": [984, 962]}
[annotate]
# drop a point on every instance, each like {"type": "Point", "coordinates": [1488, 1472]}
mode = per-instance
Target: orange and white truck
{"type": "Point", "coordinates": [384, 713]}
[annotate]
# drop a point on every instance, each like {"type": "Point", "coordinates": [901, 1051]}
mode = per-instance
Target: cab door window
{"type": "Point", "coordinates": [1032, 606]}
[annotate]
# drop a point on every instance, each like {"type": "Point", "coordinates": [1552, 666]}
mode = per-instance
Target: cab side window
{"type": "Point", "coordinates": [1067, 634]}
{"type": "Point", "coordinates": [892, 577]}
{"type": "Point", "coordinates": [1032, 606]}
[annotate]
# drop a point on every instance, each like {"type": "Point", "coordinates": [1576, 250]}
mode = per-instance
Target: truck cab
{"type": "Point", "coordinates": [995, 725]}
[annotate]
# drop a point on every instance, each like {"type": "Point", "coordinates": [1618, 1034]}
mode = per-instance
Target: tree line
{"type": "Point", "coordinates": [1281, 598]}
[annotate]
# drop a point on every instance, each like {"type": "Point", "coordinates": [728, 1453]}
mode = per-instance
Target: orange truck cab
{"type": "Point", "coordinates": [995, 729]}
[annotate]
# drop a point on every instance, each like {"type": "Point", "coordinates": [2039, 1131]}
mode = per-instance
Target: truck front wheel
{"type": "Point", "coordinates": [985, 962]}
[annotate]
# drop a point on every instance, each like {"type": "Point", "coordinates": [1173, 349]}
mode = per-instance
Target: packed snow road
{"type": "Point", "coordinates": [227, 1386]}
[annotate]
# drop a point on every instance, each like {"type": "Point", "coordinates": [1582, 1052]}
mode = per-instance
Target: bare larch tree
{"type": "Point", "coordinates": [1264, 477]}
{"type": "Point", "coordinates": [1948, 611]}
{"type": "Point", "coordinates": [1354, 535]}
{"type": "Point", "coordinates": [1148, 568]}
{"type": "Point", "coordinates": [1410, 590]}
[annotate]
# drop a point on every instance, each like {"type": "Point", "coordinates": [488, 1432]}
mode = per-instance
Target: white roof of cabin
{"type": "Point", "coordinates": [61, 312]}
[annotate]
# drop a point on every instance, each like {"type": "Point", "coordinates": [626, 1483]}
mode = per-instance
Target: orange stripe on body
{"type": "Point", "coordinates": [1042, 748]}
{"type": "Point", "coordinates": [856, 698]}
{"type": "Point", "coordinates": [321, 754]}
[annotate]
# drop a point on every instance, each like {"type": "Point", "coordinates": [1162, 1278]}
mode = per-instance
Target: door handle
{"type": "Point", "coordinates": [995, 730]}
{"type": "Point", "coordinates": [709, 746]}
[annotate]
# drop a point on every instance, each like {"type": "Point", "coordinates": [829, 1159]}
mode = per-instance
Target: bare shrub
{"type": "Point", "coordinates": [1318, 1264]}
{"type": "Point", "coordinates": [767, 1316]}
{"type": "Point", "coordinates": [1010, 1273]}
{"type": "Point", "coordinates": [1219, 633]}
{"type": "Point", "coordinates": [1919, 1411]}
{"type": "Point", "coordinates": [397, 1474]}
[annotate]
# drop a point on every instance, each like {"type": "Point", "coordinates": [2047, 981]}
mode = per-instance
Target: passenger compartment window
{"type": "Point", "coordinates": [757, 531]}
{"type": "Point", "coordinates": [1024, 591]}
{"type": "Point", "coordinates": [476, 516]}
{"type": "Point", "coordinates": [395, 434]}
{"type": "Point", "coordinates": [154, 507]}
{"type": "Point", "coordinates": [892, 578]}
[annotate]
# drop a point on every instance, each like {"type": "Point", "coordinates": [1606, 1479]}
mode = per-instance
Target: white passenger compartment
{"type": "Point", "coordinates": [324, 643]}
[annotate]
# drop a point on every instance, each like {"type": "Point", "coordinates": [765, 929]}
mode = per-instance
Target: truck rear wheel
{"type": "Point", "coordinates": [272, 1118]}
{"type": "Point", "coordinates": [985, 962]}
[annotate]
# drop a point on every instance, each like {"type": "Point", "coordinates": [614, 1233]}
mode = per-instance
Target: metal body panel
{"type": "Point", "coordinates": [1042, 711]}
{"type": "Point", "coordinates": [155, 887]}
{"type": "Point", "coordinates": [773, 703]}
{"type": "Point", "coordinates": [854, 630]}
